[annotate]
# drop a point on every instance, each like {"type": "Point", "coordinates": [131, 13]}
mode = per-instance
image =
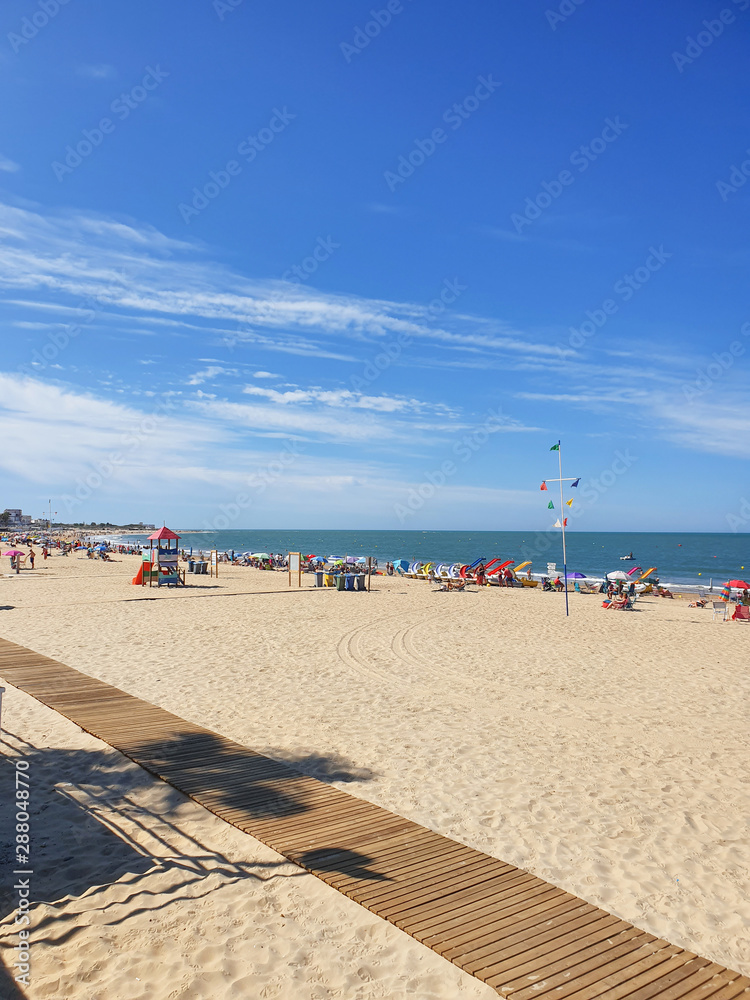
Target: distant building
{"type": "Point", "coordinates": [16, 518]}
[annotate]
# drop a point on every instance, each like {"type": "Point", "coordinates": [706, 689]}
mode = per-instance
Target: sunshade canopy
{"type": "Point", "coordinates": [162, 533]}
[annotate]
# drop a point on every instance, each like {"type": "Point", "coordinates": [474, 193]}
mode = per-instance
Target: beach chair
{"type": "Point", "coordinates": [719, 610]}
{"type": "Point", "coordinates": [741, 613]}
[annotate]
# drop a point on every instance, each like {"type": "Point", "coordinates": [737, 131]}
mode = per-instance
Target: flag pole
{"type": "Point", "coordinates": [562, 523]}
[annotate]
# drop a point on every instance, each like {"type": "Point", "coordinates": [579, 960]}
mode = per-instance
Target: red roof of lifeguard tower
{"type": "Point", "coordinates": [162, 533]}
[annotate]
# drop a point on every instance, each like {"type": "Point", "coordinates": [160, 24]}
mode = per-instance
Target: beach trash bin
{"type": "Point", "coordinates": [349, 581]}
{"type": "Point", "coordinates": [328, 579]}
{"type": "Point", "coordinates": [361, 582]}
{"type": "Point", "coordinates": [319, 579]}
{"type": "Point", "coordinates": [191, 565]}
{"type": "Point", "coordinates": [204, 568]}
{"type": "Point", "coordinates": [340, 582]}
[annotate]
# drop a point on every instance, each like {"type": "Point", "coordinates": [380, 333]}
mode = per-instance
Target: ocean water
{"type": "Point", "coordinates": [688, 558]}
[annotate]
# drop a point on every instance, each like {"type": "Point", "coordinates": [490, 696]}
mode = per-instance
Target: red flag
{"type": "Point", "coordinates": [543, 486]}
{"type": "Point", "coordinates": [565, 522]}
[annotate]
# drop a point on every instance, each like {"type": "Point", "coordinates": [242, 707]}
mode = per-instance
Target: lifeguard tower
{"type": "Point", "coordinates": [163, 557]}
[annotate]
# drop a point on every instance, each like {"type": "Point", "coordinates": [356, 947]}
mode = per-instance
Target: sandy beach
{"type": "Point", "coordinates": [605, 753]}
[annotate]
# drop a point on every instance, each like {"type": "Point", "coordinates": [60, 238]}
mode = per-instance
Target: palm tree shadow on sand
{"type": "Point", "coordinates": [87, 829]}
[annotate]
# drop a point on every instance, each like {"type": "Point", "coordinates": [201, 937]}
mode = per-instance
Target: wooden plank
{"type": "Point", "coordinates": [599, 961]}
{"type": "Point", "coordinates": [435, 883]}
{"type": "Point", "coordinates": [521, 935]}
{"type": "Point", "coordinates": [649, 965]}
{"type": "Point", "coordinates": [460, 922]}
{"type": "Point", "coordinates": [577, 961]}
{"type": "Point", "coordinates": [491, 958]}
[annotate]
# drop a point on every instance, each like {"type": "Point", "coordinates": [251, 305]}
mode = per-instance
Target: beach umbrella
{"type": "Point", "coordinates": [739, 584]}
{"type": "Point", "coordinates": [13, 552]}
{"type": "Point", "coordinates": [362, 559]}
{"type": "Point", "coordinates": [351, 559]}
{"type": "Point", "coordinates": [617, 575]}
{"type": "Point", "coordinates": [260, 555]}
{"type": "Point", "coordinates": [576, 576]}
{"type": "Point", "coordinates": [725, 592]}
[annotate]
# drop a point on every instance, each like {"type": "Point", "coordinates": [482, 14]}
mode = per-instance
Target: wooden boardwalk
{"type": "Point", "coordinates": [521, 935]}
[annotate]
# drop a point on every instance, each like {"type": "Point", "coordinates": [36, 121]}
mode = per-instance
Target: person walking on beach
{"type": "Point", "coordinates": [32, 556]}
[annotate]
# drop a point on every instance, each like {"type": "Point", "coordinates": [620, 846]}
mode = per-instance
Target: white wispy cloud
{"type": "Point", "coordinates": [97, 71]}
{"type": "Point", "coordinates": [344, 398]}
{"type": "Point", "coordinates": [8, 166]}
{"type": "Point", "coordinates": [138, 271]}
{"type": "Point", "coordinates": [208, 373]}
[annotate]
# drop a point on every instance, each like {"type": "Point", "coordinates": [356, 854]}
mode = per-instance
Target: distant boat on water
{"type": "Point", "coordinates": [627, 558]}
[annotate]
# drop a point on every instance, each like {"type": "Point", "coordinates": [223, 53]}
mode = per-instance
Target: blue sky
{"type": "Point", "coordinates": [344, 265]}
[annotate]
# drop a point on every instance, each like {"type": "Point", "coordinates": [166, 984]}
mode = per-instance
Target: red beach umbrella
{"type": "Point", "coordinates": [739, 584]}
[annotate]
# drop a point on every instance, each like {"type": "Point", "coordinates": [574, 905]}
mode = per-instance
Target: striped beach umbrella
{"type": "Point", "coordinates": [725, 592]}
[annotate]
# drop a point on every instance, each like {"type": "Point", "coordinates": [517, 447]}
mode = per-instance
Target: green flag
{"type": "Point", "coordinates": [550, 506]}
{"type": "Point", "coordinates": [555, 447]}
